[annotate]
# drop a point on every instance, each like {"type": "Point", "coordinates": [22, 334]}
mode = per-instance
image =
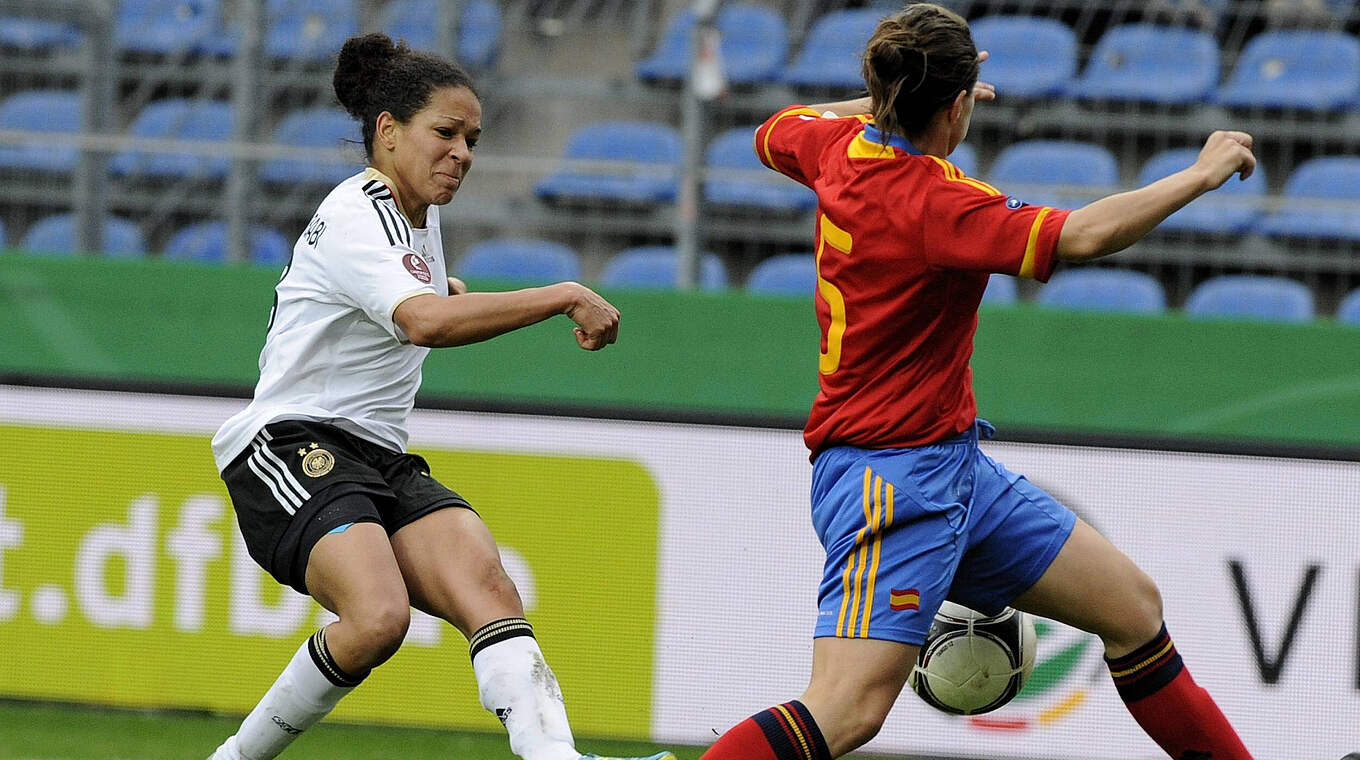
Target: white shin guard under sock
{"type": "Point", "coordinates": [300, 697]}
{"type": "Point", "coordinates": [515, 683]}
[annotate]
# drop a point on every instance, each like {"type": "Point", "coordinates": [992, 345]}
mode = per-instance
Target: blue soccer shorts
{"type": "Point", "coordinates": [905, 529]}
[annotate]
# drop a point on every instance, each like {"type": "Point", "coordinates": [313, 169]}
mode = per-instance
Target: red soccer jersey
{"type": "Point", "coordinates": [905, 243]}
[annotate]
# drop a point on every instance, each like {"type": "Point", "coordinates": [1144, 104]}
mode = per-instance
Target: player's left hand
{"type": "Point", "coordinates": [457, 287]}
{"type": "Point", "coordinates": [984, 91]}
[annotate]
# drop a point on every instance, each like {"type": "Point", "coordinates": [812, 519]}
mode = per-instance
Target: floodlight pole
{"type": "Point", "coordinates": [89, 183]}
{"type": "Point", "coordinates": [689, 203]}
{"type": "Point", "coordinates": [245, 94]}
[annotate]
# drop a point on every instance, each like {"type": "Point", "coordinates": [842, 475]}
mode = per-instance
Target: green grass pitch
{"type": "Point", "coordinates": [59, 732]}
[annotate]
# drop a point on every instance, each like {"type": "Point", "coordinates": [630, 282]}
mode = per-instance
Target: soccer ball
{"type": "Point", "coordinates": [971, 663]}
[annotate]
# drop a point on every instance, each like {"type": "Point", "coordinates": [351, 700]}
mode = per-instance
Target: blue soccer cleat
{"type": "Point", "coordinates": [657, 756]}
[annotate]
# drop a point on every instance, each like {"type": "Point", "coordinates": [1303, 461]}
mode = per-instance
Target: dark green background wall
{"type": "Point", "coordinates": [93, 320]}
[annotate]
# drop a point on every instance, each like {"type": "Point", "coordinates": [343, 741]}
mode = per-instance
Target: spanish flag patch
{"type": "Point", "coordinates": [904, 599]}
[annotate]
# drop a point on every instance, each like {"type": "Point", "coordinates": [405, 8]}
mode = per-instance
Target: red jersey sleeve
{"type": "Point", "coordinates": [972, 225]}
{"type": "Point", "coordinates": [792, 140]}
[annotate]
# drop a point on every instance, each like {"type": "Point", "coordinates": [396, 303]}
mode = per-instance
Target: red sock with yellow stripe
{"type": "Point", "coordinates": [1173, 710]}
{"type": "Point", "coordinates": [783, 732]}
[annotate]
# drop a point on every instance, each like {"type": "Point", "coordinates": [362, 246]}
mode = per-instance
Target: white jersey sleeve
{"type": "Point", "coordinates": [371, 263]}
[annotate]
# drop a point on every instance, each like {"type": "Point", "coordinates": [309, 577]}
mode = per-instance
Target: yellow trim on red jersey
{"type": "Point", "coordinates": [863, 147]}
{"type": "Point", "coordinates": [1032, 245]}
{"type": "Point", "coordinates": [763, 149]}
{"type": "Point", "coordinates": [952, 174]}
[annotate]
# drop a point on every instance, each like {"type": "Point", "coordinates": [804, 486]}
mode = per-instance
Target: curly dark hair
{"type": "Point", "coordinates": [375, 74]}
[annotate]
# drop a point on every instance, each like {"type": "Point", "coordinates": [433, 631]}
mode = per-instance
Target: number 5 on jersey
{"type": "Point", "coordinates": [838, 240]}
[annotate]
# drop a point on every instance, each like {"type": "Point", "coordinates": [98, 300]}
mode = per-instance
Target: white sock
{"type": "Point", "coordinates": [516, 684]}
{"type": "Point", "coordinates": [300, 697]}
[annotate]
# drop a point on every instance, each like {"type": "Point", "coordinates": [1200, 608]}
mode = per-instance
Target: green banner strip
{"type": "Point", "coordinates": [733, 354]}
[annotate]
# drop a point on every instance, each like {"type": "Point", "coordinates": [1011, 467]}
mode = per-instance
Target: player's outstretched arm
{"type": "Point", "coordinates": [1118, 221]}
{"type": "Point", "coordinates": [462, 318]}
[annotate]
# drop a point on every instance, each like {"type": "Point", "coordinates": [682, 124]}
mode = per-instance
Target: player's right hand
{"type": "Point", "coordinates": [1223, 155]}
{"type": "Point", "coordinates": [597, 320]}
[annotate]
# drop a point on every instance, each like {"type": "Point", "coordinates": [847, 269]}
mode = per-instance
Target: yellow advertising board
{"type": "Point", "coordinates": [123, 581]}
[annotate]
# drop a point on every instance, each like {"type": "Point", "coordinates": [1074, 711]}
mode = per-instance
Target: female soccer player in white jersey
{"type": "Point", "coordinates": [327, 499]}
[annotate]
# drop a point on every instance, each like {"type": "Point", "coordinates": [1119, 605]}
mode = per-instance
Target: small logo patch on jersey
{"type": "Point", "coordinates": [1013, 203]}
{"type": "Point", "coordinates": [900, 599]}
{"type": "Point", "coordinates": [417, 267]}
{"type": "Point", "coordinates": [316, 462]}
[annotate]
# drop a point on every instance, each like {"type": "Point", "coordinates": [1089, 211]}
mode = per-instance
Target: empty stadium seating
{"type": "Point", "coordinates": [317, 127]}
{"type": "Point", "coordinates": [310, 31]}
{"type": "Point", "coordinates": [786, 274]}
{"type": "Point", "coordinates": [164, 27]}
{"type": "Point", "coordinates": [767, 190]}
{"type": "Point", "coordinates": [655, 267]}
{"type": "Point", "coordinates": [831, 51]}
{"type": "Point", "coordinates": [1113, 290]}
{"type": "Point", "coordinates": [1348, 312]}
{"type": "Point", "coordinates": [478, 40]}
{"type": "Point", "coordinates": [207, 242]}
{"type": "Point", "coordinates": [1318, 201]}
{"type": "Point", "coordinates": [50, 111]}
{"type": "Point", "coordinates": [524, 260]}
{"type": "Point", "coordinates": [176, 118]}
{"type": "Point", "coordinates": [1151, 63]}
{"type": "Point", "coordinates": [754, 45]}
{"type": "Point", "coordinates": [1296, 68]}
{"type": "Point", "coordinates": [1030, 57]}
{"type": "Point", "coordinates": [1255, 297]}
{"type": "Point", "coordinates": [1058, 173]}
{"type": "Point", "coordinates": [36, 34]}
{"type": "Point", "coordinates": [56, 235]}
{"type": "Point", "coordinates": [655, 148]}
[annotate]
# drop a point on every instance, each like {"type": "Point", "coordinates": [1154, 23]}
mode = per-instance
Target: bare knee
{"type": "Point", "coordinates": [1138, 617]}
{"type": "Point", "coordinates": [378, 630]}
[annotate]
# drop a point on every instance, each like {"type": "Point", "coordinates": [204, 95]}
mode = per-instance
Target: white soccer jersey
{"type": "Point", "coordinates": [332, 352]}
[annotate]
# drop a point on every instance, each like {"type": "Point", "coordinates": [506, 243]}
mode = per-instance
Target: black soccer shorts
{"type": "Point", "coordinates": [289, 484]}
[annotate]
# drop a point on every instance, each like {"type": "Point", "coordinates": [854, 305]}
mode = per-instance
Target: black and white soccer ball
{"type": "Point", "coordinates": [971, 663]}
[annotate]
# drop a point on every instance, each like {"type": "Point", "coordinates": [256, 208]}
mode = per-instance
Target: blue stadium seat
{"type": "Point", "coordinates": [165, 27]}
{"type": "Point", "coordinates": [479, 28]}
{"type": "Point", "coordinates": [177, 118]}
{"type": "Point", "coordinates": [1053, 172]}
{"type": "Point", "coordinates": [787, 274]}
{"type": "Point", "coordinates": [308, 30]}
{"type": "Point", "coordinates": [1115, 290]}
{"type": "Point", "coordinates": [315, 127]}
{"type": "Point", "coordinates": [56, 235]}
{"type": "Point", "coordinates": [965, 158]}
{"type": "Point", "coordinates": [50, 111]}
{"type": "Point", "coordinates": [831, 52]}
{"type": "Point", "coordinates": [1150, 63]}
{"type": "Point", "coordinates": [656, 147]}
{"type": "Point", "coordinates": [207, 242]}
{"type": "Point", "coordinates": [734, 150]}
{"type": "Point", "coordinates": [1030, 57]}
{"type": "Point", "coordinates": [1294, 68]}
{"type": "Point", "coordinates": [526, 260]}
{"type": "Point", "coordinates": [3, 238]}
{"type": "Point", "coordinates": [1247, 296]}
{"type": "Point", "coordinates": [654, 266]}
{"type": "Point", "coordinates": [1348, 312]}
{"type": "Point", "coordinates": [1321, 200]}
{"type": "Point", "coordinates": [754, 44]}
{"type": "Point", "coordinates": [1001, 291]}
{"type": "Point", "coordinates": [36, 34]}
{"type": "Point", "coordinates": [1231, 209]}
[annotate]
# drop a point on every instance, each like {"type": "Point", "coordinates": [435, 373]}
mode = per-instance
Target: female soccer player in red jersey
{"type": "Point", "coordinates": [905, 244]}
